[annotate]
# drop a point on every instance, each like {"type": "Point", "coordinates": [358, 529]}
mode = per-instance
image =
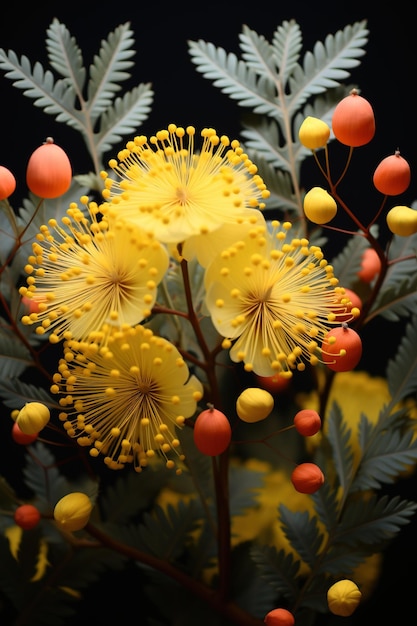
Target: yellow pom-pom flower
{"type": "Point", "coordinates": [33, 417]}
{"type": "Point", "coordinates": [72, 512]}
{"type": "Point", "coordinates": [314, 133]}
{"type": "Point", "coordinates": [343, 597]}
{"type": "Point", "coordinates": [254, 404]}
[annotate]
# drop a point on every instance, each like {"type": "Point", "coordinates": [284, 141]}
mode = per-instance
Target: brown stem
{"type": "Point", "coordinates": [227, 609]}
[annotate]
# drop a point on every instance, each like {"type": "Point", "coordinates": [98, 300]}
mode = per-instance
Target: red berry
{"type": "Point", "coordinates": [355, 302]}
{"type": "Point", "coordinates": [27, 516]}
{"type": "Point", "coordinates": [212, 432]}
{"type": "Point", "coordinates": [307, 478]}
{"type": "Point", "coordinates": [371, 265]}
{"type": "Point", "coordinates": [353, 120]}
{"type": "Point", "coordinates": [49, 171]}
{"type": "Point", "coordinates": [7, 183]}
{"type": "Point", "coordinates": [341, 349]}
{"type": "Point", "coordinates": [279, 617]}
{"type": "Point", "coordinates": [274, 384]}
{"type": "Point", "coordinates": [307, 422]}
{"type": "Point", "coordinates": [22, 438]}
{"type": "Point", "coordinates": [393, 175]}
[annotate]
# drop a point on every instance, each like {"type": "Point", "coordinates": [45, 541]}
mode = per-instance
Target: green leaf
{"type": "Point", "coordinates": [14, 355]}
{"type": "Point", "coordinates": [287, 45]}
{"type": "Point", "coordinates": [248, 588]}
{"type": "Point", "coordinates": [16, 393]}
{"type": "Point", "coordinates": [124, 117]}
{"type": "Point", "coordinates": [64, 54]}
{"type": "Point", "coordinates": [278, 569]}
{"type": "Point", "coordinates": [397, 297]}
{"type": "Point", "coordinates": [386, 454]}
{"type": "Point", "coordinates": [402, 369]}
{"type": "Point", "coordinates": [328, 64]}
{"type": "Point", "coordinates": [326, 505]}
{"type": "Point", "coordinates": [132, 493]}
{"type": "Point", "coordinates": [232, 76]}
{"type": "Point", "coordinates": [42, 476]}
{"type": "Point", "coordinates": [302, 532]}
{"type": "Point", "coordinates": [109, 69]}
{"type": "Point", "coordinates": [370, 520]}
{"type": "Point", "coordinates": [55, 97]}
{"type": "Point", "coordinates": [339, 436]}
{"type": "Point", "coordinates": [348, 262]}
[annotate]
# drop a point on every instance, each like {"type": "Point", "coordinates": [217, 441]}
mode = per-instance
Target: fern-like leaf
{"type": "Point", "coordinates": [302, 532]}
{"type": "Point", "coordinates": [43, 478]}
{"type": "Point", "coordinates": [278, 569]}
{"type": "Point", "coordinates": [257, 53]}
{"type": "Point", "coordinates": [402, 369]}
{"type": "Point", "coordinates": [15, 393]}
{"type": "Point", "coordinates": [14, 356]}
{"type": "Point", "coordinates": [386, 455]}
{"type": "Point", "coordinates": [124, 117]}
{"type": "Point", "coordinates": [232, 76]}
{"type": "Point", "coordinates": [327, 65]}
{"type": "Point", "coordinates": [287, 45]}
{"type": "Point", "coordinates": [64, 55]}
{"type": "Point", "coordinates": [109, 69]}
{"type": "Point", "coordinates": [397, 297]}
{"type": "Point", "coordinates": [373, 521]}
{"type": "Point", "coordinates": [54, 97]}
{"type": "Point", "coordinates": [339, 436]}
{"type": "Point", "coordinates": [132, 494]}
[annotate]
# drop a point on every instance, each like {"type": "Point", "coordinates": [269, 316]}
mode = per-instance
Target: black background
{"type": "Point", "coordinates": [386, 77]}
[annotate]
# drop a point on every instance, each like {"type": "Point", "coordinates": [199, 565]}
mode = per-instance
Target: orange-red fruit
{"type": "Point", "coordinates": [7, 183]}
{"type": "Point", "coordinates": [212, 432]}
{"type": "Point", "coordinates": [370, 265]}
{"type": "Point", "coordinates": [22, 438]}
{"type": "Point", "coordinates": [307, 422]}
{"type": "Point", "coordinates": [27, 516]}
{"type": "Point", "coordinates": [49, 172]}
{"type": "Point", "coordinates": [274, 384]}
{"type": "Point", "coordinates": [341, 349]}
{"type": "Point", "coordinates": [279, 617]}
{"type": "Point", "coordinates": [393, 175]}
{"type": "Point", "coordinates": [355, 302]}
{"type": "Point", "coordinates": [353, 120]}
{"type": "Point", "coordinates": [307, 478]}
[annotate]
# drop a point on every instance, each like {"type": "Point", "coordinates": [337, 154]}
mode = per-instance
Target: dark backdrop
{"type": "Point", "coordinates": [386, 78]}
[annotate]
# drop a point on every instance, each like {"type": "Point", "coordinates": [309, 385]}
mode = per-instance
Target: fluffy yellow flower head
{"type": "Point", "coordinates": [126, 400]}
{"type": "Point", "coordinates": [90, 276]}
{"type": "Point", "coordinates": [177, 192]}
{"type": "Point", "coordinates": [275, 298]}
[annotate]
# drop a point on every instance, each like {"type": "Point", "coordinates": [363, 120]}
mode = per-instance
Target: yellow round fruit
{"type": "Point", "coordinates": [33, 417]}
{"type": "Point", "coordinates": [314, 133]}
{"type": "Point", "coordinates": [319, 206]}
{"type": "Point", "coordinates": [402, 221]}
{"type": "Point", "coordinates": [72, 512]}
{"type": "Point", "coordinates": [343, 597]}
{"type": "Point", "coordinates": [254, 404]}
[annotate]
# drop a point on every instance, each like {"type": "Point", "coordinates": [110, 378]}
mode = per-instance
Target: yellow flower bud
{"type": "Point", "coordinates": [254, 404]}
{"type": "Point", "coordinates": [33, 417]}
{"type": "Point", "coordinates": [343, 597]}
{"type": "Point", "coordinates": [72, 511]}
{"type": "Point", "coordinates": [319, 206]}
{"type": "Point", "coordinates": [402, 221]}
{"type": "Point", "coordinates": [314, 133]}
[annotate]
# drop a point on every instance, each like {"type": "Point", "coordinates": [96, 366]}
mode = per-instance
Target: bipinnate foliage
{"type": "Point", "coordinates": [166, 524]}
